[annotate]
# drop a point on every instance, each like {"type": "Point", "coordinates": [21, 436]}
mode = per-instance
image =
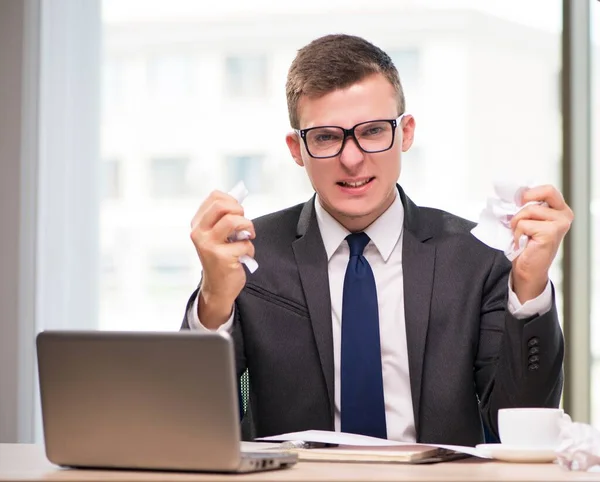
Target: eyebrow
{"type": "Point", "coordinates": [392, 117]}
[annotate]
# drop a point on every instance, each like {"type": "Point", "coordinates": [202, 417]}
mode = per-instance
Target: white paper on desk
{"type": "Point", "coordinates": [342, 438]}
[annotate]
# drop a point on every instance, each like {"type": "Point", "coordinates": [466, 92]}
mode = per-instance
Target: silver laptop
{"type": "Point", "coordinates": [140, 400]}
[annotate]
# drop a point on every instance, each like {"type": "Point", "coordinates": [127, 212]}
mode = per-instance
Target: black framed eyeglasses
{"type": "Point", "coordinates": [373, 136]}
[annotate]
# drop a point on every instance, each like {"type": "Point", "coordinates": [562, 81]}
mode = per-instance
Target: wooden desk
{"type": "Point", "coordinates": [24, 462]}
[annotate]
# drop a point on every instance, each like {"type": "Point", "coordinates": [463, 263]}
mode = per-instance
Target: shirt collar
{"type": "Point", "coordinates": [384, 231]}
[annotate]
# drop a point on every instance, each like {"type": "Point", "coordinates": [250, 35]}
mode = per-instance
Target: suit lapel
{"type": "Point", "coordinates": [418, 261]}
{"type": "Point", "coordinates": [311, 260]}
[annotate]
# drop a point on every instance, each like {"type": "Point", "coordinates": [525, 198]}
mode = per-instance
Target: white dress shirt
{"type": "Point", "coordinates": [384, 254]}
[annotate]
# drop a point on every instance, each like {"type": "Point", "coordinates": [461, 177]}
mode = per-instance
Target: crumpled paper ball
{"type": "Point", "coordinates": [579, 448]}
{"type": "Point", "coordinates": [494, 228]}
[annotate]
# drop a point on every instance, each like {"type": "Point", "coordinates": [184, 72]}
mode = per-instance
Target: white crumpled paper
{"type": "Point", "coordinates": [494, 228]}
{"type": "Point", "coordinates": [239, 192]}
{"type": "Point", "coordinates": [579, 448]}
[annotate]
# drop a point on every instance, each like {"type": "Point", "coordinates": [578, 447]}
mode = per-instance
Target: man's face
{"type": "Point", "coordinates": [354, 187]}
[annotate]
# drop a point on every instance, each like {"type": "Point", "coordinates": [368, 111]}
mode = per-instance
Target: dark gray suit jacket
{"type": "Point", "coordinates": [468, 357]}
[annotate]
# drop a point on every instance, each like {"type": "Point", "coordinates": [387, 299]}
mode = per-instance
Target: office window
{"type": "Point", "coordinates": [247, 168]}
{"type": "Point", "coordinates": [407, 64]}
{"type": "Point", "coordinates": [109, 271]}
{"type": "Point", "coordinates": [246, 76]}
{"type": "Point", "coordinates": [168, 178]}
{"type": "Point", "coordinates": [112, 85]}
{"type": "Point", "coordinates": [170, 76]}
{"type": "Point", "coordinates": [168, 269]}
{"type": "Point", "coordinates": [111, 179]}
{"type": "Point", "coordinates": [464, 76]}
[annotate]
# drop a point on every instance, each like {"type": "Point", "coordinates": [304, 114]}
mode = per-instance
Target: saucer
{"type": "Point", "coordinates": [517, 453]}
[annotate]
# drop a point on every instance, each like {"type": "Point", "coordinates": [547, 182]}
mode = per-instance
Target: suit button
{"type": "Point", "coordinates": [533, 366]}
{"type": "Point", "coordinates": [534, 350]}
{"type": "Point", "coordinates": [534, 359]}
{"type": "Point", "coordinates": [533, 342]}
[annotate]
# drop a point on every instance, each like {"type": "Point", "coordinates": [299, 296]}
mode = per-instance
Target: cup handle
{"type": "Point", "coordinates": [566, 419]}
{"type": "Point", "coordinates": [564, 424]}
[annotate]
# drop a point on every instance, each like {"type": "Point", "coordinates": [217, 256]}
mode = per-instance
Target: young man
{"type": "Point", "coordinates": [369, 314]}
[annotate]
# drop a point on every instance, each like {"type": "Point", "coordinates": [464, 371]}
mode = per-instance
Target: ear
{"type": "Point", "coordinates": [408, 132]}
{"type": "Point", "coordinates": [293, 142]}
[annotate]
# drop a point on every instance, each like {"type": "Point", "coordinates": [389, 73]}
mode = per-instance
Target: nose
{"type": "Point", "coordinates": [351, 154]}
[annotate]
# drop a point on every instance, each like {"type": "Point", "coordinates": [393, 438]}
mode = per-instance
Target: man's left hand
{"type": "Point", "coordinates": [546, 227]}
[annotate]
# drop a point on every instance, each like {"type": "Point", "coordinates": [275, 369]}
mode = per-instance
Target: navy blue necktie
{"type": "Point", "coordinates": [362, 403]}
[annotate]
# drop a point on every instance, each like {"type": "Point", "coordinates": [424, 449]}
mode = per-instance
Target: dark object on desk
{"type": "Point", "coordinates": [159, 401]}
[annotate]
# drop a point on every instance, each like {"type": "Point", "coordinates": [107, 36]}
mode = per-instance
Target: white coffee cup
{"type": "Point", "coordinates": [531, 427]}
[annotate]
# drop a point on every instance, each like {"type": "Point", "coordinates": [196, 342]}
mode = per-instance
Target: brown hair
{"type": "Point", "coordinates": [336, 62]}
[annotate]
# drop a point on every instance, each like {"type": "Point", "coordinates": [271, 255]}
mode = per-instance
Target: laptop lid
{"type": "Point", "coordinates": [146, 400]}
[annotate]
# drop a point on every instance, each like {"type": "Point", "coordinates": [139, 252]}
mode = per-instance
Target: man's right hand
{"type": "Point", "coordinates": [220, 216]}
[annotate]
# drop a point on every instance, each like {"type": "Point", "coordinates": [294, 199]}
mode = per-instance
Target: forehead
{"type": "Point", "coordinates": [372, 98]}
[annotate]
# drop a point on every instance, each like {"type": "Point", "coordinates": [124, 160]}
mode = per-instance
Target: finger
{"type": "Point", "coordinates": [217, 210]}
{"type": "Point", "coordinates": [229, 224]}
{"type": "Point", "coordinates": [232, 251]}
{"type": "Point", "coordinates": [532, 229]}
{"type": "Point", "coordinates": [536, 212]}
{"type": "Point", "coordinates": [546, 193]}
{"type": "Point", "coordinates": [209, 203]}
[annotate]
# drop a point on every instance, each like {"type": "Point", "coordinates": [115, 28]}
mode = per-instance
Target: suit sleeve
{"type": "Point", "coordinates": [519, 361]}
{"type": "Point", "coordinates": [235, 332]}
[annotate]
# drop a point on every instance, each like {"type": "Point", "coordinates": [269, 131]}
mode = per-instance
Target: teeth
{"type": "Point", "coordinates": [355, 184]}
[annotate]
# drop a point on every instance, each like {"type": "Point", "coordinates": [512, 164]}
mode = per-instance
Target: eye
{"type": "Point", "coordinates": [324, 137]}
{"type": "Point", "coordinates": [373, 131]}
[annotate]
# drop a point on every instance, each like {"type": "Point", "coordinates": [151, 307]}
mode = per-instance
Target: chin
{"type": "Point", "coordinates": [355, 212]}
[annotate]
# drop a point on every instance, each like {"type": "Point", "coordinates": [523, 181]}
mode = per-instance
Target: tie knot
{"type": "Point", "coordinates": [357, 243]}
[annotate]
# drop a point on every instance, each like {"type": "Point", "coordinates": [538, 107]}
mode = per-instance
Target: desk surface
{"type": "Point", "coordinates": [25, 462]}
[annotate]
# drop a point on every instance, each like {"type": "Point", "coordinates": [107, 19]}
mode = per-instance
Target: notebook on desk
{"type": "Point", "coordinates": [330, 446]}
{"type": "Point", "coordinates": [144, 400]}
{"type": "Point", "coordinates": [405, 454]}
{"type": "Point", "coordinates": [410, 454]}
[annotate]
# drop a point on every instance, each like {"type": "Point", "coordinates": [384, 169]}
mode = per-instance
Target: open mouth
{"type": "Point", "coordinates": [355, 184]}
